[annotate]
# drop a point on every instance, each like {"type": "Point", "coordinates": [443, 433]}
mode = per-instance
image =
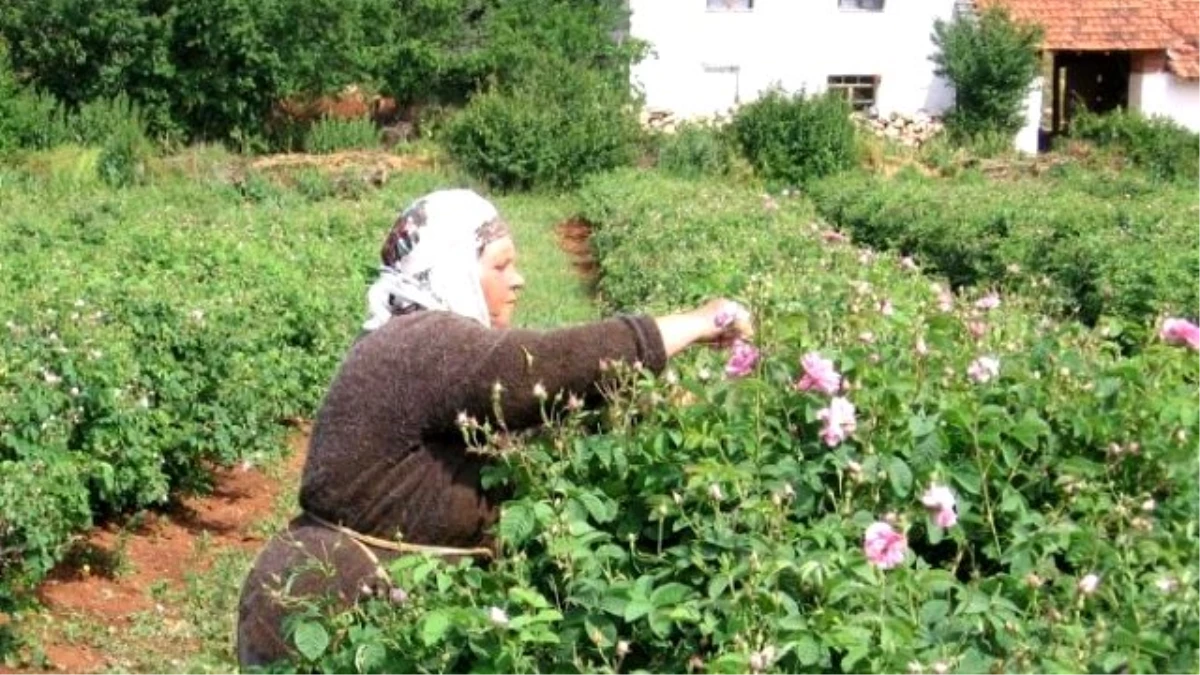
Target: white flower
{"type": "Point", "coordinates": [539, 391]}
{"type": "Point", "coordinates": [941, 667]}
{"type": "Point", "coordinates": [1088, 584]}
{"type": "Point", "coordinates": [1166, 584]}
{"type": "Point", "coordinates": [922, 348]}
{"type": "Point", "coordinates": [983, 369]}
{"type": "Point", "coordinates": [938, 497]}
{"type": "Point", "coordinates": [1149, 505]}
{"type": "Point", "coordinates": [622, 648]}
{"type": "Point", "coordinates": [714, 491]}
{"type": "Point", "coordinates": [51, 378]}
{"type": "Point", "coordinates": [574, 402]}
{"type": "Point", "coordinates": [672, 378]}
{"type": "Point", "coordinates": [498, 616]}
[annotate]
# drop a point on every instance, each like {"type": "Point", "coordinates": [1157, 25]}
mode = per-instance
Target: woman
{"type": "Point", "coordinates": [387, 469]}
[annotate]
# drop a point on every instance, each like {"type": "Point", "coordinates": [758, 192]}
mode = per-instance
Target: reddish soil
{"type": "Point", "coordinates": [574, 237]}
{"type": "Point", "coordinates": [163, 547]}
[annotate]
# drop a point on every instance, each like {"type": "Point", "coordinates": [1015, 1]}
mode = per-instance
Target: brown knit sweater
{"type": "Point", "coordinates": [388, 457]}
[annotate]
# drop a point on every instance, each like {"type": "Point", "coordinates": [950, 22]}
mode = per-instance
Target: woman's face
{"type": "Point", "coordinates": [500, 280]}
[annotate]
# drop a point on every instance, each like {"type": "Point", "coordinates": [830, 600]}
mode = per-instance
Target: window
{"type": "Point", "coordinates": [730, 5]}
{"type": "Point", "coordinates": [864, 5]}
{"type": "Point", "coordinates": [859, 90]}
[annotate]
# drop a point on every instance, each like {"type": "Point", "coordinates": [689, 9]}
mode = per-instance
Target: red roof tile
{"type": "Point", "coordinates": [1094, 25]}
{"type": "Point", "coordinates": [1184, 60]}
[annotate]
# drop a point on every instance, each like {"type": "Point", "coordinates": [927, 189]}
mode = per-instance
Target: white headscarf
{"type": "Point", "coordinates": [431, 258]}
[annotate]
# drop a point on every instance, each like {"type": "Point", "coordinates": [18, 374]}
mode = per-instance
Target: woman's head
{"type": "Point", "coordinates": [450, 250]}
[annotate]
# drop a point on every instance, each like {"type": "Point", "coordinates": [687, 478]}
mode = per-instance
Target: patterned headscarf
{"type": "Point", "coordinates": [431, 258]}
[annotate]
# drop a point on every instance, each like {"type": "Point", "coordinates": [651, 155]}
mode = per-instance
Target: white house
{"type": "Point", "coordinates": [708, 55]}
{"type": "Point", "coordinates": [1107, 54]}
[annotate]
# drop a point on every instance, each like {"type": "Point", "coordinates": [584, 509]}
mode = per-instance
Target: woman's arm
{"type": "Point", "coordinates": [567, 361]}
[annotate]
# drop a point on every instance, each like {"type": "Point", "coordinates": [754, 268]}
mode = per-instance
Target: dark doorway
{"type": "Point", "coordinates": [1098, 81]}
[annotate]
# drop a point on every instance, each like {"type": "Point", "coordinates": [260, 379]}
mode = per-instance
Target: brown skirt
{"type": "Point", "coordinates": [305, 562]}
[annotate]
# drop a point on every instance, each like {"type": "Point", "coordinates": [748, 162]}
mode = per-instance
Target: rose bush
{"type": "Point", "coordinates": [151, 333]}
{"type": "Point", "coordinates": [956, 484]}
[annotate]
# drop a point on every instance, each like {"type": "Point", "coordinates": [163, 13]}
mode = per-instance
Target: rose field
{"type": "Point", "coordinates": [904, 472]}
{"type": "Point", "coordinates": [962, 439]}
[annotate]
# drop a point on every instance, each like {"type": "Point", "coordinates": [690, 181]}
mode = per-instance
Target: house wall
{"type": "Point", "coordinates": [1162, 93]}
{"type": "Point", "coordinates": [1030, 134]}
{"type": "Point", "coordinates": [796, 43]}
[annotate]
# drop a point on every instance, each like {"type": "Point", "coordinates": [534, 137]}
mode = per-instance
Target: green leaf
{"type": "Point", "coordinates": [1029, 429]}
{"type": "Point", "coordinates": [669, 594]}
{"type": "Point", "coordinates": [369, 657]}
{"type": "Point", "coordinates": [934, 611]}
{"type": "Point", "coordinates": [596, 507]}
{"type": "Point", "coordinates": [434, 627]}
{"type": "Point", "coordinates": [311, 640]}
{"type": "Point", "coordinates": [637, 608]}
{"type": "Point", "coordinates": [528, 597]}
{"type": "Point", "coordinates": [808, 652]}
{"type": "Point", "coordinates": [900, 476]}
{"type": "Point", "coordinates": [516, 524]}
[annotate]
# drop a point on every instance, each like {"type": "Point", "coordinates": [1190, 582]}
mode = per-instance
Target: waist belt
{"type": "Point", "coordinates": [398, 546]}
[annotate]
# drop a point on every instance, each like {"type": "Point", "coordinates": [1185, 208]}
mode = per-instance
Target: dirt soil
{"type": "Point", "coordinates": [351, 159]}
{"type": "Point", "coordinates": [107, 577]}
{"type": "Point", "coordinates": [574, 237]}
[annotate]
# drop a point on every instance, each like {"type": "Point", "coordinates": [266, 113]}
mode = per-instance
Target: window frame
{"type": "Point", "coordinates": [857, 6]}
{"type": "Point", "coordinates": [850, 84]}
{"type": "Point", "coordinates": [728, 8]}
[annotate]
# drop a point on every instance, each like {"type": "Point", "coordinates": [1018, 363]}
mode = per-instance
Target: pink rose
{"type": "Point", "coordinates": [1181, 332]}
{"type": "Point", "coordinates": [742, 359]}
{"type": "Point", "coordinates": [988, 302]}
{"type": "Point", "coordinates": [839, 421]}
{"type": "Point", "coordinates": [940, 500]}
{"type": "Point", "coordinates": [819, 375]}
{"type": "Point", "coordinates": [884, 546]}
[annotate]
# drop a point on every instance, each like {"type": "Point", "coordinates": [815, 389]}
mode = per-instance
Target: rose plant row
{"type": "Point", "coordinates": [891, 478]}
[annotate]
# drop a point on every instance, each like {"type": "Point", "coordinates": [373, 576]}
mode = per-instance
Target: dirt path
{"type": "Point", "coordinates": [121, 581]}
{"type": "Point", "coordinates": [574, 236]}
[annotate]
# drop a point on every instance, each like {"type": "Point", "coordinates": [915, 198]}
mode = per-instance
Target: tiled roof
{"type": "Point", "coordinates": [1184, 60]}
{"type": "Point", "coordinates": [1089, 25]}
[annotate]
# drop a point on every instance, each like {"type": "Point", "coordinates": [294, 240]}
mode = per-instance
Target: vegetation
{"type": "Point", "coordinates": [1081, 245]}
{"type": "Point", "coordinates": [1006, 493]}
{"type": "Point", "coordinates": [992, 60]}
{"type": "Point", "coordinates": [550, 130]}
{"type": "Point", "coordinates": [1157, 145]}
{"type": "Point", "coordinates": [792, 139]}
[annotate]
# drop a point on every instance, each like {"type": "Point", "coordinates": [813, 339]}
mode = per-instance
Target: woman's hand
{"type": "Point", "coordinates": [718, 322]}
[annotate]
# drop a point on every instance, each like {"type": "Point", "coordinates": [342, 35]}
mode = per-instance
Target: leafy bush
{"type": "Point", "coordinates": [126, 150]}
{"type": "Point", "coordinates": [153, 333]}
{"type": "Point", "coordinates": [1159, 145]}
{"type": "Point", "coordinates": [709, 528]}
{"type": "Point", "coordinates": [214, 69]}
{"type": "Point", "coordinates": [991, 59]}
{"type": "Point", "coordinates": [550, 131]}
{"type": "Point", "coordinates": [331, 135]}
{"type": "Point", "coordinates": [27, 118]}
{"type": "Point", "coordinates": [795, 139]}
{"type": "Point", "coordinates": [1084, 253]}
{"type": "Point", "coordinates": [694, 151]}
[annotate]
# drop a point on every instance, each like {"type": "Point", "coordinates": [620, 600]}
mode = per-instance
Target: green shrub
{"type": "Point", "coordinates": [1092, 253]}
{"type": "Point", "coordinates": [695, 150]}
{"type": "Point", "coordinates": [331, 135]}
{"type": "Point", "coordinates": [29, 120]}
{"type": "Point", "coordinates": [124, 156]}
{"type": "Point", "coordinates": [707, 527]}
{"type": "Point", "coordinates": [1161, 146]}
{"type": "Point", "coordinates": [991, 59]}
{"type": "Point", "coordinates": [795, 139]}
{"type": "Point", "coordinates": [549, 131]}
